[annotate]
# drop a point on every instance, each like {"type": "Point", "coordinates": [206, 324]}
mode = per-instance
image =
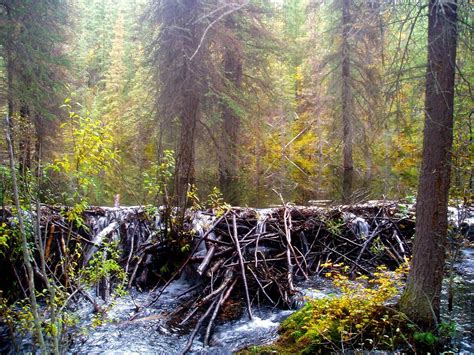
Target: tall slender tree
{"type": "Point", "coordinates": [180, 53]}
{"type": "Point", "coordinates": [32, 46]}
{"type": "Point", "coordinates": [233, 73]}
{"type": "Point", "coordinates": [421, 298]}
{"type": "Point", "coordinates": [346, 103]}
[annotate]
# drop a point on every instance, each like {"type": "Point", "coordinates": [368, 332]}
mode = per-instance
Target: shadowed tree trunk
{"type": "Point", "coordinates": [348, 129]}
{"type": "Point", "coordinates": [231, 130]}
{"type": "Point", "coordinates": [185, 173]}
{"type": "Point", "coordinates": [24, 141]}
{"type": "Point", "coordinates": [181, 73]}
{"type": "Point", "coordinates": [421, 298]}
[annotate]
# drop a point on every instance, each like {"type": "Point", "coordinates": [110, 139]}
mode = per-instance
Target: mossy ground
{"type": "Point", "coordinates": [360, 319]}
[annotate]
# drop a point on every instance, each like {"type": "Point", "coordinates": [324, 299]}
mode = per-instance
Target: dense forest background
{"type": "Point", "coordinates": [310, 99]}
{"type": "Point", "coordinates": [213, 103]}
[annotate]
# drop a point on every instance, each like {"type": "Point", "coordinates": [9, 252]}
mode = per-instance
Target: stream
{"type": "Point", "coordinates": [463, 303]}
{"type": "Point", "coordinates": [150, 334]}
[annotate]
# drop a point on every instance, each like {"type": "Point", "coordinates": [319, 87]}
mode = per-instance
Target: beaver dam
{"type": "Point", "coordinates": [227, 266]}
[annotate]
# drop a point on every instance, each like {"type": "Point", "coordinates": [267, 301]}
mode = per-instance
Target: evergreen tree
{"type": "Point", "coordinates": [421, 298]}
{"type": "Point", "coordinates": [32, 38]}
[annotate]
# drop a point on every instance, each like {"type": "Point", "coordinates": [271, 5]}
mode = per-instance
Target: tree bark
{"type": "Point", "coordinates": [421, 298]}
{"type": "Point", "coordinates": [185, 172]}
{"type": "Point", "coordinates": [189, 91]}
{"type": "Point", "coordinates": [231, 128]}
{"type": "Point", "coordinates": [24, 141]}
{"type": "Point", "coordinates": [348, 129]}
{"type": "Point", "coordinates": [27, 254]}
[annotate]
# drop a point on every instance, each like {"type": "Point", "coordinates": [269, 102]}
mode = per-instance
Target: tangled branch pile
{"type": "Point", "coordinates": [259, 255]}
{"type": "Point", "coordinates": [240, 257]}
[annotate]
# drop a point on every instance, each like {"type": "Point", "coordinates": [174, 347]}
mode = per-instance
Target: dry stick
{"type": "Point", "coordinates": [131, 248]}
{"type": "Point", "coordinates": [27, 256]}
{"type": "Point", "coordinates": [345, 257]}
{"type": "Point", "coordinates": [212, 270]}
{"type": "Point", "coordinates": [74, 234]}
{"type": "Point", "coordinates": [130, 254]}
{"type": "Point", "coordinates": [397, 258]}
{"type": "Point", "coordinates": [288, 253]}
{"type": "Point", "coordinates": [252, 261]}
{"type": "Point", "coordinates": [261, 286]}
{"type": "Point", "coordinates": [97, 308]}
{"type": "Point", "coordinates": [316, 236]}
{"type": "Point", "coordinates": [180, 270]}
{"type": "Point", "coordinates": [197, 327]}
{"type": "Point", "coordinates": [229, 274]}
{"type": "Point", "coordinates": [220, 253]}
{"type": "Point", "coordinates": [135, 271]}
{"type": "Point", "coordinates": [364, 246]}
{"type": "Point", "coordinates": [256, 249]}
{"type": "Point", "coordinates": [211, 321]}
{"type": "Point", "coordinates": [190, 289]}
{"type": "Point", "coordinates": [207, 259]}
{"type": "Point", "coordinates": [25, 293]}
{"type": "Point", "coordinates": [51, 290]}
{"type": "Point", "coordinates": [242, 266]}
{"type": "Point", "coordinates": [189, 315]}
{"type": "Point", "coordinates": [402, 249]}
{"type": "Point", "coordinates": [49, 238]}
{"type": "Point", "coordinates": [295, 249]}
{"type": "Point", "coordinates": [223, 298]}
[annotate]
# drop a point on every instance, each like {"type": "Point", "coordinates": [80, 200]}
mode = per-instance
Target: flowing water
{"type": "Point", "coordinates": [463, 302]}
{"type": "Point", "coordinates": [149, 332]}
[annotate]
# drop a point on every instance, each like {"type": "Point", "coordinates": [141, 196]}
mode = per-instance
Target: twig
{"type": "Point", "coordinates": [242, 267]}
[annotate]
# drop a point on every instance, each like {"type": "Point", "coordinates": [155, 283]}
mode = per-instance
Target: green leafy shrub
{"type": "Point", "coordinates": [360, 318]}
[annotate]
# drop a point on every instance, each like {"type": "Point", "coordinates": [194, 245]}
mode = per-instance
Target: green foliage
{"type": "Point", "coordinates": [215, 201]}
{"type": "Point", "coordinates": [193, 197]}
{"type": "Point", "coordinates": [105, 264]}
{"type": "Point", "coordinates": [19, 318]}
{"type": "Point", "coordinates": [90, 154]}
{"type": "Point", "coordinates": [6, 234]}
{"type": "Point", "coordinates": [32, 37]}
{"type": "Point", "coordinates": [5, 185]}
{"type": "Point", "coordinates": [75, 214]}
{"type": "Point", "coordinates": [334, 226]}
{"type": "Point", "coordinates": [157, 179]}
{"type": "Point", "coordinates": [377, 247]}
{"type": "Point", "coordinates": [359, 317]}
{"type": "Point", "coordinates": [427, 338]}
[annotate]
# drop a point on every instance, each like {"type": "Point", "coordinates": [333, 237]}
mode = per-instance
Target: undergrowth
{"type": "Point", "coordinates": [359, 318]}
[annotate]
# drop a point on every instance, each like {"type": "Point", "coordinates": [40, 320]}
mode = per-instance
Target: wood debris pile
{"type": "Point", "coordinates": [241, 256]}
{"type": "Point", "coordinates": [259, 255]}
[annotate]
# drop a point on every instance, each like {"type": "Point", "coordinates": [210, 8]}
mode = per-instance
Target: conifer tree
{"type": "Point", "coordinates": [32, 47]}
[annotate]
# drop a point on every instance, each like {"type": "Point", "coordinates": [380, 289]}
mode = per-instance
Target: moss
{"type": "Point", "coordinates": [359, 319]}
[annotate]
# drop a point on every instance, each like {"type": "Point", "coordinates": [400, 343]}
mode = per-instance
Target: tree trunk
{"type": "Point", "coordinates": [189, 90]}
{"type": "Point", "coordinates": [24, 141]}
{"type": "Point", "coordinates": [348, 129]}
{"type": "Point", "coordinates": [9, 69]}
{"type": "Point", "coordinates": [421, 298]}
{"type": "Point", "coordinates": [184, 173]}
{"type": "Point", "coordinates": [27, 254]}
{"type": "Point", "coordinates": [231, 130]}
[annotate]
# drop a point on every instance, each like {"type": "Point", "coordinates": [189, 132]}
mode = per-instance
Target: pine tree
{"type": "Point", "coordinates": [421, 298]}
{"type": "Point", "coordinates": [31, 43]}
